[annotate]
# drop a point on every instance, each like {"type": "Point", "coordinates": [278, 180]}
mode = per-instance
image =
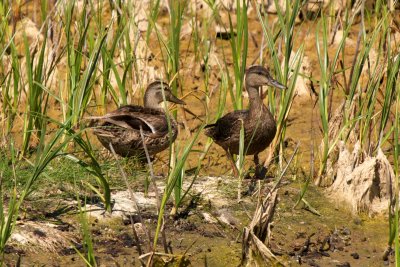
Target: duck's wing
{"type": "Point", "coordinates": [227, 126]}
{"type": "Point", "coordinates": [135, 117]}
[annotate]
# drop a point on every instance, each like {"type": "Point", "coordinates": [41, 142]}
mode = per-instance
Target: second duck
{"type": "Point", "coordinates": [258, 123]}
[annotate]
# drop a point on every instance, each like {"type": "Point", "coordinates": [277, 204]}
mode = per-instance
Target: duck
{"type": "Point", "coordinates": [258, 122]}
{"type": "Point", "coordinates": [122, 128]}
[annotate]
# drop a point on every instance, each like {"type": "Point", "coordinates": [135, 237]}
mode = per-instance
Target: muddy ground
{"type": "Point", "coordinates": [208, 229]}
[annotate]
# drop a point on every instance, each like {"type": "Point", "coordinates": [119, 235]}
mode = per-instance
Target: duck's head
{"type": "Point", "coordinates": [154, 95]}
{"type": "Point", "coordinates": [257, 76]}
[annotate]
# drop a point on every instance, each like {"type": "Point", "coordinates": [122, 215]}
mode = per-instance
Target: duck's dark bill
{"type": "Point", "coordinates": [277, 85]}
{"type": "Point", "coordinates": [176, 100]}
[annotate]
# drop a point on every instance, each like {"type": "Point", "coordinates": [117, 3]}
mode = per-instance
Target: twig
{"type": "Point", "coordinates": [132, 196]}
{"type": "Point", "coordinates": [286, 167]}
{"type": "Point", "coordinates": [386, 253]}
{"type": "Point", "coordinates": [153, 181]}
{"type": "Point", "coordinates": [309, 208]}
{"type": "Point", "coordinates": [266, 253]}
{"type": "Point", "coordinates": [151, 254]}
{"type": "Point", "coordinates": [135, 236]}
{"type": "Point", "coordinates": [258, 230]}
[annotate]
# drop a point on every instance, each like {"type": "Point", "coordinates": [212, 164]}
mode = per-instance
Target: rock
{"type": "Point", "coordinates": [270, 6]}
{"type": "Point", "coordinates": [227, 218]}
{"type": "Point", "coordinates": [123, 206]}
{"type": "Point", "coordinates": [209, 218]}
{"type": "Point", "coordinates": [209, 189]}
{"type": "Point", "coordinates": [26, 28]}
{"type": "Point", "coordinates": [346, 231]}
{"type": "Point", "coordinates": [357, 221]}
{"type": "Point", "coordinates": [310, 6]}
{"type": "Point", "coordinates": [355, 255]}
{"type": "Point", "coordinates": [303, 82]}
{"type": "Point", "coordinates": [44, 236]}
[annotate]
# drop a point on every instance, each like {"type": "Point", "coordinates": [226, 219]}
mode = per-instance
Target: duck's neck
{"type": "Point", "coordinates": [256, 103]}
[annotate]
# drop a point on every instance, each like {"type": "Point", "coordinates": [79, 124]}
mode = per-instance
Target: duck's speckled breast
{"type": "Point", "coordinates": [264, 134]}
{"type": "Point", "coordinates": [259, 132]}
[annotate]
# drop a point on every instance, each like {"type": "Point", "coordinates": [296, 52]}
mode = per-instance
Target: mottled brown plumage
{"type": "Point", "coordinates": [121, 127]}
{"type": "Point", "coordinates": [258, 122]}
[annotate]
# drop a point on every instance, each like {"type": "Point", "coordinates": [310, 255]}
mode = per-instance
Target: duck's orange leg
{"type": "Point", "coordinates": [234, 168]}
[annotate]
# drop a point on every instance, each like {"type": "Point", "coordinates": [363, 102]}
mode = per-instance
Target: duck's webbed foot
{"type": "Point", "coordinates": [144, 161]}
{"type": "Point", "coordinates": [260, 172]}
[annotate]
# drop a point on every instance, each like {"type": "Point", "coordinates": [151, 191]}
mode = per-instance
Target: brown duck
{"type": "Point", "coordinates": [258, 122]}
{"type": "Point", "coordinates": [121, 128]}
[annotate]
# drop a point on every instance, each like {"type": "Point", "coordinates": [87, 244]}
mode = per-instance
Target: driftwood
{"type": "Point", "coordinates": [365, 183]}
{"type": "Point", "coordinates": [258, 231]}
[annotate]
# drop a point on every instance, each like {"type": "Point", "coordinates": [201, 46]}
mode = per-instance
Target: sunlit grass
{"type": "Point", "coordinates": [98, 57]}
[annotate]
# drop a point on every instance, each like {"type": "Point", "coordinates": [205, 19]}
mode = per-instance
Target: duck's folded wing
{"type": "Point", "coordinates": [229, 125]}
{"type": "Point", "coordinates": [150, 124]}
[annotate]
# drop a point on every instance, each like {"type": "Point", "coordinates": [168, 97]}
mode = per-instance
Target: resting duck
{"type": "Point", "coordinates": [121, 127]}
{"type": "Point", "coordinates": [258, 122]}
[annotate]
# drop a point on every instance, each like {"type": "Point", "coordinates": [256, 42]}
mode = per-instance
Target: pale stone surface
{"type": "Point", "coordinates": [309, 6]}
{"type": "Point", "coordinates": [226, 217]}
{"type": "Point", "coordinates": [209, 218]}
{"type": "Point", "coordinates": [33, 235]}
{"type": "Point", "coordinates": [123, 205]}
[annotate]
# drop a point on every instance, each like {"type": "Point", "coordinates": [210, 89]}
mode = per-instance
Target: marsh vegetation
{"type": "Point", "coordinates": [329, 194]}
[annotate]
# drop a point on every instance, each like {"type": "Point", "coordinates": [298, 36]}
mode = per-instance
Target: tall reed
{"type": "Point", "coordinates": [328, 71]}
{"type": "Point", "coordinates": [286, 68]}
{"type": "Point", "coordinates": [7, 217]}
{"type": "Point", "coordinates": [174, 181]}
{"type": "Point", "coordinates": [80, 85]}
{"type": "Point", "coordinates": [171, 55]}
{"type": "Point", "coordinates": [239, 46]}
{"type": "Point", "coordinates": [37, 97]}
{"type": "Point", "coordinates": [11, 88]}
{"type": "Point", "coordinates": [48, 152]}
{"type": "Point", "coordinates": [8, 77]}
{"type": "Point", "coordinates": [396, 137]}
{"type": "Point", "coordinates": [88, 246]}
{"type": "Point", "coordinates": [362, 100]}
{"type": "Point", "coordinates": [389, 127]}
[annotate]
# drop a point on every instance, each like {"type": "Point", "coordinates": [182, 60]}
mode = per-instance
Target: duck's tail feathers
{"type": "Point", "coordinates": [210, 125]}
{"type": "Point", "coordinates": [210, 130]}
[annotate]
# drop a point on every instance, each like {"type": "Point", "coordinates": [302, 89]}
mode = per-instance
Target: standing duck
{"type": "Point", "coordinates": [258, 122]}
{"type": "Point", "coordinates": [121, 128]}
